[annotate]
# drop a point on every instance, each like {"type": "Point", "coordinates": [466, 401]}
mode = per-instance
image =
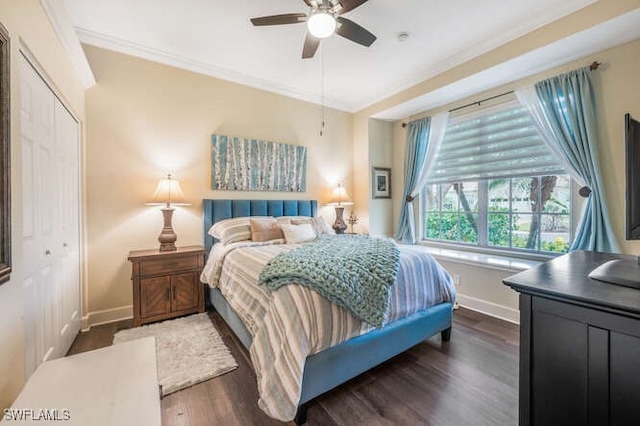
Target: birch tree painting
{"type": "Point", "coordinates": [252, 165]}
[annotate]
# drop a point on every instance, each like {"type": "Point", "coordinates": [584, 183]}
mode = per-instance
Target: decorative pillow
{"type": "Point", "coordinates": [307, 220]}
{"type": "Point", "coordinates": [294, 234]}
{"type": "Point", "coordinates": [326, 229]}
{"type": "Point", "coordinates": [234, 229]}
{"type": "Point", "coordinates": [290, 218]}
{"type": "Point", "coordinates": [284, 219]}
{"type": "Point", "coordinates": [265, 230]}
{"type": "Point", "coordinates": [318, 224]}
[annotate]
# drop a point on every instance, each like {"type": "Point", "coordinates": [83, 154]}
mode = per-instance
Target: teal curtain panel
{"type": "Point", "coordinates": [564, 108]}
{"type": "Point", "coordinates": [414, 160]}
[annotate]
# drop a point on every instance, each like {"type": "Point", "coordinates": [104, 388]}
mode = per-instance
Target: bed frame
{"type": "Point", "coordinates": [333, 366]}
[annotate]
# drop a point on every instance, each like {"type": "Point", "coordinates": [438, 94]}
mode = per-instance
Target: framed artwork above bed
{"type": "Point", "coordinates": [239, 164]}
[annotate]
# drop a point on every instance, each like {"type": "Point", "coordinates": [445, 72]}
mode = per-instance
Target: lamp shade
{"type": "Point", "coordinates": [339, 197]}
{"type": "Point", "coordinates": [168, 192]}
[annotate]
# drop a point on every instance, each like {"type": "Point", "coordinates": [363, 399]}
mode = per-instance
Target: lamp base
{"type": "Point", "coordinates": [167, 237]}
{"type": "Point", "coordinates": [339, 226]}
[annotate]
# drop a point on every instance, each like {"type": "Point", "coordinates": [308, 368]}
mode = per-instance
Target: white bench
{"type": "Point", "coordinates": [116, 385]}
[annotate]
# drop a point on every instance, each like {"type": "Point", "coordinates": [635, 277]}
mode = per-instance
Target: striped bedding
{"type": "Point", "coordinates": [293, 322]}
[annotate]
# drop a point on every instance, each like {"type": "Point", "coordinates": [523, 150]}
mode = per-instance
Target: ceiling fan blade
{"type": "Point", "coordinates": [289, 18]}
{"type": "Point", "coordinates": [310, 46]}
{"type": "Point", "coordinates": [311, 3]}
{"type": "Point", "coordinates": [354, 32]}
{"type": "Point", "coordinates": [349, 5]}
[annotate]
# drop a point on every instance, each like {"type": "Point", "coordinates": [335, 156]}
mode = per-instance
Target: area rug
{"type": "Point", "coordinates": [189, 350]}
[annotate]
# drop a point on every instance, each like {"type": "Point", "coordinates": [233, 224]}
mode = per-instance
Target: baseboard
{"type": "Point", "coordinates": [478, 305]}
{"type": "Point", "coordinates": [489, 308]}
{"type": "Point", "coordinates": [106, 316]}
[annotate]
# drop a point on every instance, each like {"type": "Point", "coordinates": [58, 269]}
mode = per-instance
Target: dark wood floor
{"type": "Point", "coordinates": [472, 380]}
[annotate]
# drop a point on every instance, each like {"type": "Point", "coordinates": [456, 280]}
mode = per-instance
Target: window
{"type": "Point", "coordinates": [496, 185]}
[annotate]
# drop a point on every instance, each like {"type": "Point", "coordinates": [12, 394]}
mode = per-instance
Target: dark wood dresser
{"type": "Point", "coordinates": [579, 344]}
{"type": "Point", "coordinates": [166, 284]}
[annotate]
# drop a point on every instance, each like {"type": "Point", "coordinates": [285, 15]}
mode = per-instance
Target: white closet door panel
{"type": "Point", "coordinates": [32, 303]}
{"type": "Point", "coordinates": [51, 245]}
{"type": "Point", "coordinates": [33, 250]}
{"type": "Point", "coordinates": [28, 200]}
{"type": "Point", "coordinates": [67, 153]}
{"type": "Point", "coordinates": [29, 165]}
{"type": "Point", "coordinates": [48, 282]}
{"type": "Point", "coordinates": [32, 359]}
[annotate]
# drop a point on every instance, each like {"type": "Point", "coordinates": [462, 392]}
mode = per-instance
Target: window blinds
{"type": "Point", "coordinates": [497, 142]}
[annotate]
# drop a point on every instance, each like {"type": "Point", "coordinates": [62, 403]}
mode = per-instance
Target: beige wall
{"type": "Point", "coordinates": [481, 289]}
{"type": "Point", "coordinates": [361, 170]}
{"type": "Point", "coordinates": [25, 20]}
{"type": "Point", "coordinates": [381, 155]}
{"type": "Point", "coordinates": [145, 119]}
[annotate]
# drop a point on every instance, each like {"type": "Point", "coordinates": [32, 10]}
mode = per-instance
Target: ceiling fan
{"type": "Point", "coordinates": [324, 18]}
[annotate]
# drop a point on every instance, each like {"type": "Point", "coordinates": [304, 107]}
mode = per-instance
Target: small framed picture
{"type": "Point", "coordinates": [381, 181]}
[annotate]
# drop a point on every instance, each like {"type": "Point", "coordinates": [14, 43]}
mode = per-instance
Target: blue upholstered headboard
{"type": "Point", "coordinates": [217, 210]}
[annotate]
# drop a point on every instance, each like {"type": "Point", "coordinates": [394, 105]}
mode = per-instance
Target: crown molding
{"type": "Point", "coordinates": [104, 41]}
{"type": "Point", "coordinates": [606, 35]}
{"type": "Point", "coordinates": [109, 42]}
{"type": "Point", "coordinates": [479, 49]}
{"type": "Point", "coordinates": [66, 34]}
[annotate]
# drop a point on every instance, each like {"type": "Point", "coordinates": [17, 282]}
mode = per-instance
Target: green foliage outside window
{"type": "Point", "coordinates": [559, 245]}
{"type": "Point", "coordinates": [500, 228]}
{"type": "Point", "coordinates": [457, 228]}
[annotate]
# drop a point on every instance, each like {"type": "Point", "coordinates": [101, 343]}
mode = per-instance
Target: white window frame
{"type": "Point", "coordinates": [483, 214]}
{"type": "Point", "coordinates": [576, 203]}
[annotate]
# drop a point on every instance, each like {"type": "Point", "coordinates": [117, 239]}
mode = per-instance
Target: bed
{"type": "Point", "coordinates": [334, 365]}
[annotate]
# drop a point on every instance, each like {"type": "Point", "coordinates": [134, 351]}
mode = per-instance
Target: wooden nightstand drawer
{"type": "Point", "coordinates": [169, 265]}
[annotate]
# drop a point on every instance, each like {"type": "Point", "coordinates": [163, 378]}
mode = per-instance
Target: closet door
{"type": "Point", "coordinates": [39, 283]}
{"type": "Point", "coordinates": [67, 142]}
{"type": "Point", "coordinates": [49, 145]}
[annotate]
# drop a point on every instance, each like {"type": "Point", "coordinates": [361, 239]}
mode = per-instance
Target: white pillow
{"type": "Point", "coordinates": [294, 234]}
{"type": "Point", "coordinates": [326, 229]}
{"type": "Point", "coordinates": [318, 223]}
{"type": "Point", "coordinates": [234, 229]}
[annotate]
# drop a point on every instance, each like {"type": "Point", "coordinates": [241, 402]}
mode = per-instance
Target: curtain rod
{"type": "Point", "coordinates": [594, 66]}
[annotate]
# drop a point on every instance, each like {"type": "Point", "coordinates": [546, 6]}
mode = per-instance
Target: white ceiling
{"type": "Point", "coordinates": [215, 37]}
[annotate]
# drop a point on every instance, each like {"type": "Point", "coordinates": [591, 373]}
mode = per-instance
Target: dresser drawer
{"type": "Point", "coordinates": [169, 265]}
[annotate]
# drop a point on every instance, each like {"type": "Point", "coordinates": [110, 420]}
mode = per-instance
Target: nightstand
{"type": "Point", "coordinates": [166, 284]}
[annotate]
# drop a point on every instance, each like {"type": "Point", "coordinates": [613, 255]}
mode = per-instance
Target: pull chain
{"type": "Point", "coordinates": [322, 123]}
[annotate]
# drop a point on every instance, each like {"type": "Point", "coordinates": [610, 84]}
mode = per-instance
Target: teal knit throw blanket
{"type": "Point", "coordinates": [354, 271]}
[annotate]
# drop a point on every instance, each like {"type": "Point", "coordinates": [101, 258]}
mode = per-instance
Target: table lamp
{"type": "Point", "coordinates": [339, 199]}
{"type": "Point", "coordinates": [168, 193]}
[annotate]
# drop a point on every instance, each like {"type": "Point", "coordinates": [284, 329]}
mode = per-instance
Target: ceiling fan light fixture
{"type": "Point", "coordinates": [321, 24]}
